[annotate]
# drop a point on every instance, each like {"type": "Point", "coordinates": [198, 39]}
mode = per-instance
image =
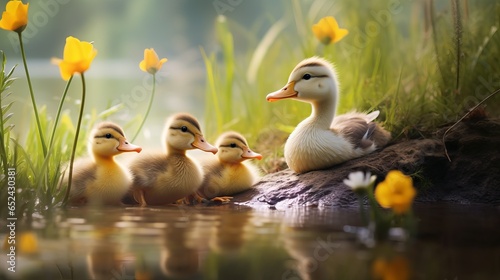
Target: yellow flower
{"type": "Point", "coordinates": [394, 269]}
{"type": "Point", "coordinates": [327, 30]}
{"type": "Point", "coordinates": [395, 192]}
{"type": "Point", "coordinates": [77, 57]}
{"type": "Point", "coordinates": [15, 17]}
{"type": "Point", "coordinates": [151, 62]}
{"type": "Point", "coordinates": [26, 243]}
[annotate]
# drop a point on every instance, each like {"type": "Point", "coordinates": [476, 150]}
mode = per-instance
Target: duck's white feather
{"type": "Point", "coordinates": [323, 139]}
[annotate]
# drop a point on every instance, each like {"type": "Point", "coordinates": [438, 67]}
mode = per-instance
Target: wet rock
{"type": "Point", "coordinates": [472, 176]}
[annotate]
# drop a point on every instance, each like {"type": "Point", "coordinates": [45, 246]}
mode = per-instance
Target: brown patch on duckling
{"type": "Point", "coordinates": [189, 119]}
{"type": "Point", "coordinates": [311, 64]}
{"type": "Point", "coordinates": [144, 177]}
{"type": "Point", "coordinates": [112, 126]}
{"type": "Point", "coordinates": [234, 135]}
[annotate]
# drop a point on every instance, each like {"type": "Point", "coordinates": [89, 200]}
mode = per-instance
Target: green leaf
{"type": "Point", "coordinates": [5, 95]}
{"type": "Point", "coordinates": [111, 111]}
{"type": "Point", "coordinates": [11, 72]}
{"type": "Point", "coordinates": [7, 107]}
{"type": "Point", "coordinates": [8, 128]}
{"type": "Point", "coordinates": [6, 118]}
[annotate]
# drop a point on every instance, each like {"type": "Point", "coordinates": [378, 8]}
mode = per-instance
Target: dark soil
{"type": "Point", "coordinates": [472, 176]}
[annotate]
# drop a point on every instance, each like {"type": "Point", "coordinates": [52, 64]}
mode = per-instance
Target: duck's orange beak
{"type": "Point", "coordinates": [287, 91]}
{"type": "Point", "coordinates": [248, 154]}
{"type": "Point", "coordinates": [200, 143]}
{"type": "Point", "coordinates": [128, 147]}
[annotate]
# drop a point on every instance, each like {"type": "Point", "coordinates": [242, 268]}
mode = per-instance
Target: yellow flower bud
{"type": "Point", "coordinates": [327, 31]}
{"type": "Point", "coordinates": [151, 62]}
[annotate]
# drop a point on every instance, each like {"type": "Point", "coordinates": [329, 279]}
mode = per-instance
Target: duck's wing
{"type": "Point", "coordinates": [356, 127]}
{"type": "Point", "coordinates": [340, 119]}
{"type": "Point", "coordinates": [212, 169]}
{"type": "Point", "coordinates": [360, 130]}
{"type": "Point", "coordinates": [84, 172]}
{"type": "Point", "coordinates": [357, 131]}
{"type": "Point", "coordinates": [145, 170]}
{"type": "Point", "coordinates": [372, 116]}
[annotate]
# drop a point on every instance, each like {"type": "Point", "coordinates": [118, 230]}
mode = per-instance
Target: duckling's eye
{"type": "Point", "coordinates": [233, 145]}
{"type": "Point", "coordinates": [306, 76]}
{"type": "Point", "coordinates": [108, 135]}
{"type": "Point", "coordinates": [184, 128]}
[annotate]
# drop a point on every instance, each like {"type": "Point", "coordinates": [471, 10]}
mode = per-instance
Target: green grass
{"type": "Point", "coordinates": [38, 177]}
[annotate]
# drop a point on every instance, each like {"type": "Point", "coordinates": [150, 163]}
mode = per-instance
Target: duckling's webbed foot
{"type": "Point", "coordinates": [139, 197]}
{"type": "Point", "coordinates": [222, 199]}
{"type": "Point", "coordinates": [192, 199]}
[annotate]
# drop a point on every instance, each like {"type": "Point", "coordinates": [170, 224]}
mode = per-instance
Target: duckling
{"type": "Point", "coordinates": [228, 174]}
{"type": "Point", "coordinates": [166, 178]}
{"type": "Point", "coordinates": [101, 180]}
{"type": "Point", "coordinates": [321, 141]}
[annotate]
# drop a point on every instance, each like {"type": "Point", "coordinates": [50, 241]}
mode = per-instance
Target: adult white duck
{"type": "Point", "coordinates": [321, 141]}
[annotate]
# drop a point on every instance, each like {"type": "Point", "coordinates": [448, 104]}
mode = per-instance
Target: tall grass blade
{"type": "Point", "coordinates": [263, 47]}
{"type": "Point", "coordinates": [457, 20]}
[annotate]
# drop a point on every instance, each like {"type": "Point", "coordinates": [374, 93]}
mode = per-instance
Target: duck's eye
{"type": "Point", "coordinates": [306, 76]}
{"type": "Point", "coordinates": [184, 128]}
{"type": "Point", "coordinates": [233, 145]}
{"type": "Point", "coordinates": [108, 135]}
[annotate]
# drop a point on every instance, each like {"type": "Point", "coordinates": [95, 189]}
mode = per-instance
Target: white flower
{"type": "Point", "coordinates": [359, 180]}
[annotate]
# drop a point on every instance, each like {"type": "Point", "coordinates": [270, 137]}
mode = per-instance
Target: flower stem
{"type": "Point", "coordinates": [40, 132]}
{"type": "Point", "coordinates": [59, 109]}
{"type": "Point", "coordinates": [382, 221]}
{"type": "Point", "coordinates": [149, 109]}
{"type": "Point", "coordinates": [75, 142]}
{"type": "Point", "coordinates": [373, 204]}
{"type": "Point", "coordinates": [362, 211]}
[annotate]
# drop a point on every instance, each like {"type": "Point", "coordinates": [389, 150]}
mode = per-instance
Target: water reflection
{"type": "Point", "coordinates": [179, 257]}
{"type": "Point", "coordinates": [229, 234]}
{"type": "Point", "coordinates": [391, 268]}
{"type": "Point", "coordinates": [236, 242]}
{"type": "Point", "coordinates": [106, 257]}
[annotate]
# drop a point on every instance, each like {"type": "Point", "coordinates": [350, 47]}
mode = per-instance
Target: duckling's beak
{"type": "Point", "coordinates": [128, 147]}
{"type": "Point", "coordinates": [200, 143]}
{"type": "Point", "coordinates": [247, 153]}
{"type": "Point", "coordinates": [287, 91]}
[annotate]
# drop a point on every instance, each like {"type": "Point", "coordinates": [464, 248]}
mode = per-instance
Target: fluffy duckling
{"type": "Point", "coordinates": [166, 178]}
{"type": "Point", "coordinates": [228, 174]}
{"type": "Point", "coordinates": [101, 180]}
{"type": "Point", "coordinates": [321, 141]}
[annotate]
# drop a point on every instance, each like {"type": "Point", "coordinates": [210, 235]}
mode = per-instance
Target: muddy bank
{"type": "Point", "coordinates": [472, 176]}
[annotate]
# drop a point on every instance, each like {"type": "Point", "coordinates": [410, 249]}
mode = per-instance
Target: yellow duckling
{"type": "Point", "coordinates": [164, 179]}
{"type": "Point", "coordinates": [101, 180]}
{"type": "Point", "coordinates": [228, 173]}
{"type": "Point", "coordinates": [321, 141]}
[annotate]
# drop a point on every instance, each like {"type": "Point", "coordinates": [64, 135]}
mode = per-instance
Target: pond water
{"type": "Point", "coordinates": [238, 242]}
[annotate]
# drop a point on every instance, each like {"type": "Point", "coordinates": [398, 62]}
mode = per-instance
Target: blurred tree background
{"type": "Point", "coordinates": [399, 55]}
{"type": "Point", "coordinates": [121, 30]}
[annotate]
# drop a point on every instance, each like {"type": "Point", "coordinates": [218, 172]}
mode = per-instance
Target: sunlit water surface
{"type": "Point", "coordinates": [237, 242]}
